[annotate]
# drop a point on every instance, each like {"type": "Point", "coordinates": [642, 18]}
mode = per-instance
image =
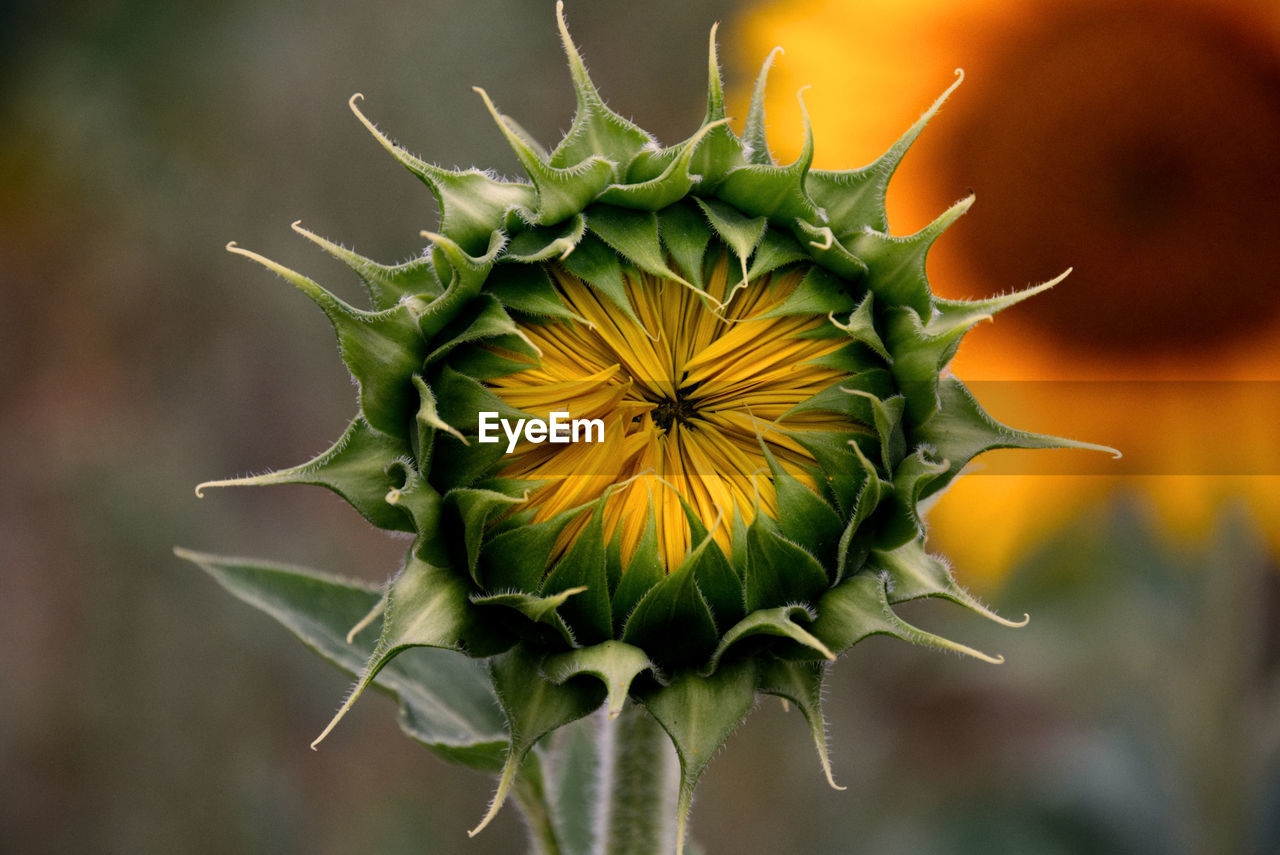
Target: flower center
{"type": "Point", "coordinates": [691, 398]}
{"type": "Point", "coordinates": [672, 410]}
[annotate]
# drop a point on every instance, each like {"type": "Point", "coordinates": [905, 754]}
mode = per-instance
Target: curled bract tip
{"type": "Point", "coordinates": [351, 103]}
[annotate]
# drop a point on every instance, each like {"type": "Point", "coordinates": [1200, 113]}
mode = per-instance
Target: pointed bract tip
{"type": "Point", "coordinates": [315, 743]}
{"type": "Point", "coordinates": [351, 103]}
{"type": "Point", "coordinates": [561, 22]}
{"type": "Point", "coordinates": [1004, 621]}
{"type": "Point", "coordinates": [509, 770]}
{"type": "Point", "coordinates": [489, 105]}
{"type": "Point", "coordinates": [236, 249]}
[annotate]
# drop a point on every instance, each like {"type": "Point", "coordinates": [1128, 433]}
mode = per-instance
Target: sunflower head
{"type": "Point", "coordinates": [660, 421]}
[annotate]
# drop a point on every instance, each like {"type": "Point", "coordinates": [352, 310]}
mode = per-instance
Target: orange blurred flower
{"type": "Point", "coordinates": [1136, 142]}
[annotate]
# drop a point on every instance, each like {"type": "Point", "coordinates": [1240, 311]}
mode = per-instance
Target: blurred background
{"type": "Point", "coordinates": [143, 710]}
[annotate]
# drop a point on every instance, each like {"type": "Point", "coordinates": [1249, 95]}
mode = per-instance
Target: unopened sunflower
{"type": "Point", "coordinates": [659, 420]}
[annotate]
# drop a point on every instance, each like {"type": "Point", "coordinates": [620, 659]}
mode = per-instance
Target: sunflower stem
{"type": "Point", "coordinates": [638, 782]}
{"type": "Point", "coordinates": [530, 794]}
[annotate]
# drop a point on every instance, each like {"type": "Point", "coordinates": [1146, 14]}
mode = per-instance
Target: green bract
{"type": "Point", "coordinates": [563, 632]}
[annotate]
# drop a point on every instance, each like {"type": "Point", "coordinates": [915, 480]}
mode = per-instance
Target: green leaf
{"type": "Point", "coordinates": [355, 467]}
{"type": "Point", "coordinates": [474, 509]}
{"type": "Point", "coordinates": [670, 186]}
{"type": "Point", "coordinates": [420, 501]}
{"type": "Point", "coordinates": [387, 285]}
{"type": "Point", "coordinates": [897, 264]}
{"type": "Point", "coordinates": [595, 262]}
{"type": "Point", "coordinates": [776, 249]}
{"type": "Point", "coordinates": [960, 430]}
{"type": "Point", "coordinates": [886, 416]}
{"type": "Point", "coordinates": [855, 198]}
{"type": "Point", "coordinates": [614, 663]}
{"type": "Point", "coordinates": [858, 608]}
{"type": "Point", "coordinates": [699, 714]}
{"type": "Point", "coordinates": [596, 129]}
{"type": "Point", "coordinates": [722, 150]}
{"type": "Point", "coordinates": [912, 573]}
{"type": "Point", "coordinates": [544, 610]}
{"type": "Point", "coordinates": [467, 275]}
{"type": "Point", "coordinates": [829, 251]}
{"type": "Point", "coordinates": [717, 581]}
{"type": "Point", "coordinates": [753, 133]}
{"type": "Point", "coordinates": [777, 192]}
{"type": "Point", "coordinates": [458, 462]}
{"type": "Point", "coordinates": [534, 706]}
{"type": "Point", "coordinates": [778, 571]}
{"type": "Point", "coordinates": [644, 571]}
{"type": "Point", "coordinates": [861, 327]}
{"type": "Point", "coordinates": [741, 233]}
{"type": "Point", "coordinates": [672, 621]}
{"type": "Point", "coordinates": [685, 234]}
{"type": "Point", "coordinates": [803, 517]}
{"type": "Point", "coordinates": [472, 203]}
{"type": "Point", "coordinates": [428, 422]}
{"type": "Point", "coordinates": [613, 562]}
{"type": "Point", "coordinates": [516, 559]}
{"type": "Point", "coordinates": [902, 521]}
{"type": "Point", "coordinates": [779, 622]}
{"type": "Point", "coordinates": [874, 489]}
{"type": "Point", "coordinates": [446, 701]}
{"type": "Point", "coordinates": [801, 683]}
{"type": "Point", "coordinates": [562, 191]}
{"type": "Point", "coordinates": [583, 566]}
{"type": "Point", "coordinates": [538, 243]}
{"type": "Point", "coordinates": [527, 288]}
{"type": "Point", "coordinates": [426, 607]}
{"type": "Point", "coordinates": [634, 235]}
{"type": "Point", "coordinates": [819, 293]}
{"type": "Point", "coordinates": [951, 313]}
{"type": "Point", "coordinates": [841, 476]}
{"type": "Point", "coordinates": [484, 318]}
{"type": "Point", "coordinates": [382, 350]}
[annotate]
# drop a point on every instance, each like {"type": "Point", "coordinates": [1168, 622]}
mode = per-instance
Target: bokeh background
{"type": "Point", "coordinates": [142, 710]}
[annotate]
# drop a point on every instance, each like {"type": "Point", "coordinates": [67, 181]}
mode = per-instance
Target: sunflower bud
{"type": "Point", "coordinates": [660, 421]}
